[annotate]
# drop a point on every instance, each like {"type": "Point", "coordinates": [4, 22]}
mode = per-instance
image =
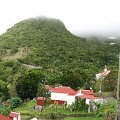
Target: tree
{"type": "Point", "coordinates": [75, 78]}
{"type": "Point", "coordinates": [41, 91]}
{"type": "Point", "coordinates": [110, 82]}
{"type": "Point", "coordinates": [15, 102]}
{"type": "Point", "coordinates": [4, 94]}
{"type": "Point", "coordinates": [12, 90]}
{"type": "Point", "coordinates": [27, 86]}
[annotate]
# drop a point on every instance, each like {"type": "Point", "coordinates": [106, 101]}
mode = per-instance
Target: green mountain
{"type": "Point", "coordinates": [45, 44]}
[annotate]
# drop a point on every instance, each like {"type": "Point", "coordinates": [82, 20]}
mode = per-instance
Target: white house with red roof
{"type": "Point", "coordinates": [66, 94]}
{"type": "Point", "coordinates": [88, 95]}
{"type": "Point", "coordinates": [103, 74]}
{"type": "Point", "coordinates": [62, 94]}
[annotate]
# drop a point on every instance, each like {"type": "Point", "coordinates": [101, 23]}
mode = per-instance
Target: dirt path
{"type": "Point", "coordinates": [32, 66]}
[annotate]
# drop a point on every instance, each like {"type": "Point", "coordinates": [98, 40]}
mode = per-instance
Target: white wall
{"type": "Point", "coordinates": [58, 96]}
{"type": "Point", "coordinates": [70, 100]}
{"type": "Point", "coordinates": [64, 97]}
{"type": "Point", "coordinates": [87, 101]}
{"type": "Point", "coordinates": [15, 117]}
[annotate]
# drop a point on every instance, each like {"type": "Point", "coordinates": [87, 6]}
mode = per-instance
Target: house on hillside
{"type": "Point", "coordinates": [65, 94]}
{"type": "Point", "coordinates": [40, 103]}
{"type": "Point", "coordinates": [85, 94]}
{"type": "Point", "coordinates": [14, 116]}
{"type": "Point", "coordinates": [62, 94]}
{"type": "Point", "coordinates": [88, 95]}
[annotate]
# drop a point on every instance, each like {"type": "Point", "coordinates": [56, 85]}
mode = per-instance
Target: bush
{"type": "Point", "coordinates": [15, 102]}
{"type": "Point", "coordinates": [14, 50]}
{"type": "Point", "coordinates": [53, 116]}
{"type": "Point", "coordinates": [110, 114]}
{"type": "Point", "coordinates": [79, 105]}
{"type": "Point", "coordinates": [5, 110]}
{"type": "Point", "coordinates": [104, 110]}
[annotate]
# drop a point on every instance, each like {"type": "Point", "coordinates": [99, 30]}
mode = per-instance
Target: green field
{"type": "Point", "coordinates": [27, 112]}
{"type": "Point", "coordinates": [84, 118]}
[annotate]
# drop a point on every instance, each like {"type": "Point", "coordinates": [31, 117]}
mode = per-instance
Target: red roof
{"type": "Point", "coordinates": [87, 92]}
{"type": "Point", "coordinates": [13, 114]}
{"type": "Point", "coordinates": [87, 97]}
{"type": "Point", "coordinates": [2, 117]}
{"type": "Point", "coordinates": [41, 98]}
{"type": "Point", "coordinates": [64, 89]}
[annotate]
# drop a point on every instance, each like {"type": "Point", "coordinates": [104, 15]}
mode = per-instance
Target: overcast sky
{"type": "Point", "coordinates": [79, 16]}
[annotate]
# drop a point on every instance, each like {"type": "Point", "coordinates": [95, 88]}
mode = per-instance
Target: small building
{"type": "Point", "coordinates": [14, 116]}
{"type": "Point", "coordinates": [88, 95]}
{"type": "Point", "coordinates": [63, 94]}
{"type": "Point", "coordinates": [41, 101]}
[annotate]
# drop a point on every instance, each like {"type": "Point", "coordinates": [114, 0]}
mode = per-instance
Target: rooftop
{"type": "Point", "coordinates": [64, 89]}
{"type": "Point", "coordinates": [2, 117]}
{"type": "Point", "coordinates": [13, 114]}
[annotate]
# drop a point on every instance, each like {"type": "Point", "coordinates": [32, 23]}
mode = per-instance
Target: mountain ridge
{"type": "Point", "coordinates": [34, 50]}
{"type": "Point", "coordinates": [49, 44]}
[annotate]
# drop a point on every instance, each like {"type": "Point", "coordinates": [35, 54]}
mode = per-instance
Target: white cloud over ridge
{"type": "Point", "coordinates": [77, 15]}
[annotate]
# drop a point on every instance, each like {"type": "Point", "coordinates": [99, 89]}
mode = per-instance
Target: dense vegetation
{"type": "Point", "coordinates": [42, 50]}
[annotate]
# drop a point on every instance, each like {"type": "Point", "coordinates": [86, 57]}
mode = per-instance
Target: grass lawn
{"type": "Point", "coordinates": [84, 118]}
{"type": "Point", "coordinates": [27, 112]}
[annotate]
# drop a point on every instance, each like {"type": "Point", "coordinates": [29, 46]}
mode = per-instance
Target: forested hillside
{"type": "Point", "coordinates": [37, 50]}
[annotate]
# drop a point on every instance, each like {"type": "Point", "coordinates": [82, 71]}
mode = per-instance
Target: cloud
{"type": "Point", "coordinates": [78, 15]}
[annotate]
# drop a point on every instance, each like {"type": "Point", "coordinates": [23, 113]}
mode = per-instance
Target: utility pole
{"type": "Point", "coordinates": [101, 80]}
{"type": "Point", "coordinates": [118, 84]}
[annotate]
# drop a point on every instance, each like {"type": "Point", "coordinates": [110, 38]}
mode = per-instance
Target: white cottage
{"type": "Point", "coordinates": [63, 94]}
{"type": "Point", "coordinates": [88, 95]}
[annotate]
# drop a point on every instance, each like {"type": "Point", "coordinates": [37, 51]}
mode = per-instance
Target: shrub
{"type": "Point", "coordinates": [110, 114]}
{"type": "Point", "coordinates": [53, 116]}
{"type": "Point", "coordinates": [104, 110]}
{"type": "Point", "coordinates": [14, 50]}
{"type": "Point", "coordinates": [79, 105]}
{"type": "Point", "coordinates": [5, 110]}
{"type": "Point", "coordinates": [15, 102]}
